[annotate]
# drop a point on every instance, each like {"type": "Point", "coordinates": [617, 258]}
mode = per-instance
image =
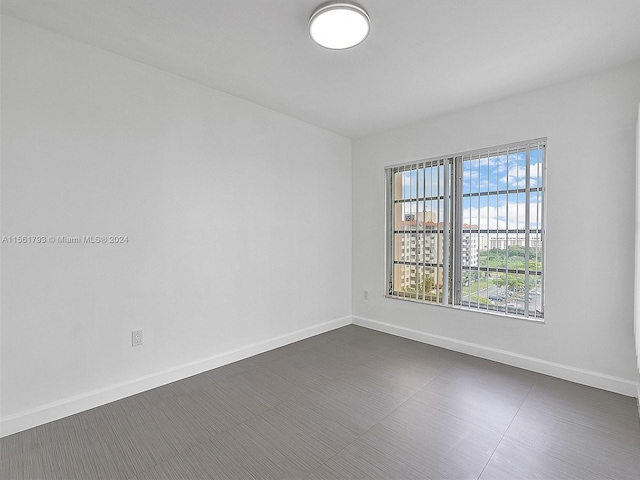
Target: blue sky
{"type": "Point", "coordinates": [485, 174]}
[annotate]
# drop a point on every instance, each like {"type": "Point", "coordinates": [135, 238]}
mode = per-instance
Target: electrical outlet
{"type": "Point", "coordinates": [136, 338]}
{"type": "Point", "coordinates": [366, 295]}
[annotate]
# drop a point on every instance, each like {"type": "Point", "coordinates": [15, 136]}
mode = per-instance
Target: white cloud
{"type": "Point", "coordinates": [501, 217]}
{"type": "Point", "coordinates": [517, 175]}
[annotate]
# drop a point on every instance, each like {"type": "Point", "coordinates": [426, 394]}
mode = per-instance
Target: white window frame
{"type": "Point", "coordinates": [446, 228]}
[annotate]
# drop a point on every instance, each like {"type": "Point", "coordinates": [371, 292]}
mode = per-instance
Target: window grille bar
{"type": "Point", "coordinates": [411, 200]}
{"type": "Point", "coordinates": [446, 239]}
{"type": "Point", "coordinates": [411, 262]}
{"type": "Point", "coordinates": [438, 277]}
{"type": "Point", "coordinates": [501, 230]}
{"type": "Point", "coordinates": [498, 192]}
{"type": "Point", "coordinates": [423, 234]}
{"type": "Point", "coordinates": [543, 242]}
{"type": "Point", "coordinates": [515, 271]}
{"type": "Point", "coordinates": [428, 230]}
{"type": "Point", "coordinates": [390, 228]}
{"type": "Point", "coordinates": [508, 219]}
{"type": "Point", "coordinates": [479, 218]}
{"type": "Point", "coordinates": [527, 220]}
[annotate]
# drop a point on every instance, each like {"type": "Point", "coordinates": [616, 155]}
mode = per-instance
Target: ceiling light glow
{"type": "Point", "coordinates": [339, 25]}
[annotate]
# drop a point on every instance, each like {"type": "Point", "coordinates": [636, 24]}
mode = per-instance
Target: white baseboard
{"type": "Point", "coordinates": [572, 374]}
{"type": "Point", "coordinates": [79, 403]}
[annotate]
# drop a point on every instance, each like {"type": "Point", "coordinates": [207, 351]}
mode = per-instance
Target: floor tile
{"type": "Point", "coordinates": [288, 442]}
{"type": "Point", "coordinates": [583, 405]}
{"type": "Point", "coordinates": [606, 452]}
{"type": "Point", "coordinates": [231, 457]}
{"type": "Point", "coordinates": [140, 446]}
{"type": "Point", "coordinates": [363, 407]}
{"type": "Point", "coordinates": [297, 371]}
{"type": "Point", "coordinates": [486, 405]}
{"type": "Point", "coordinates": [268, 389]}
{"type": "Point", "coordinates": [513, 460]}
{"type": "Point", "coordinates": [176, 468]}
{"type": "Point", "coordinates": [319, 419]}
{"type": "Point", "coordinates": [80, 457]}
{"type": "Point", "coordinates": [359, 461]}
{"type": "Point", "coordinates": [433, 442]}
{"type": "Point", "coordinates": [39, 436]}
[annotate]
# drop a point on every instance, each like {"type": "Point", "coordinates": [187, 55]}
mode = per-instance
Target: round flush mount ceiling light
{"type": "Point", "coordinates": [339, 25]}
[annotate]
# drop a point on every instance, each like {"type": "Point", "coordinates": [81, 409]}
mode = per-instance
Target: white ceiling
{"type": "Point", "coordinates": [423, 57]}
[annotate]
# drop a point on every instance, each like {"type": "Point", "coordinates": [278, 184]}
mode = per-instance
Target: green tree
{"type": "Point", "coordinates": [425, 284]}
{"type": "Point", "coordinates": [497, 258]}
{"type": "Point", "coordinates": [515, 282]}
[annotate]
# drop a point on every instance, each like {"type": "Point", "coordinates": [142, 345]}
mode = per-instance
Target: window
{"type": "Point", "coordinates": [467, 230]}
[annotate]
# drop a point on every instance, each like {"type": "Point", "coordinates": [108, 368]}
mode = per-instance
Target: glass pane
{"type": "Point", "coordinates": [470, 243]}
{"type": "Point", "coordinates": [401, 279]}
{"type": "Point", "coordinates": [495, 208]}
{"type": "Point", "coordinates": [535, 168]}
{"type": "Point", "coordinates": [501, 292]}
{"type": "Point", "coordinates": [516, 170]}
{"type": "Point", "coordinates": [514, 286]}
{"type": "Point", "coordinates": [418, 248]}
{"type": "Point", "coordinates": [416, 282]}
{"type": "Point", "coordinates": [492, 253]}
{"type": "Point", "coordinates": [475, 288]}
{"type": "Point", "coordinates": [535, 209]}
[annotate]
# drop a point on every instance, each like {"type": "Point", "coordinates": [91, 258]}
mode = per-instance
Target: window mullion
{"type": "Point", "coordinates": [391, 228]}
{"type": "Point", "coordinates": [416, 233]}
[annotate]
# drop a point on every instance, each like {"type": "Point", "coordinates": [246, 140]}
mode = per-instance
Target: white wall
{"type": "Point", "coordinates": [588, 332]}
{"type": "Point", "coordinates": [238, 218]}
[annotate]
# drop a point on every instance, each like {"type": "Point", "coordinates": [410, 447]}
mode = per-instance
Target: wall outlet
{"type": "Point", "coordinates": [366, 295]}
{"type": "Point", "coordinates": [136, 338]}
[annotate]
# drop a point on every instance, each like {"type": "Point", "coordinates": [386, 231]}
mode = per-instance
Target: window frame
{"type": "Point", "coordinates": [452, 229]}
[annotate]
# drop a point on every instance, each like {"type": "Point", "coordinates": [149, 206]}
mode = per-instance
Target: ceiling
{"type": "Point", "coordinates": [423, 57]}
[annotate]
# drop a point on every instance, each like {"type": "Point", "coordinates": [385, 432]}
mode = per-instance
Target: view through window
{"type": "Point", "coordinates": [468, 230]}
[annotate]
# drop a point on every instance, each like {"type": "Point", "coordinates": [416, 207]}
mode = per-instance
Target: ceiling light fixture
{"type": "Point", "coordinates": [339, 25]}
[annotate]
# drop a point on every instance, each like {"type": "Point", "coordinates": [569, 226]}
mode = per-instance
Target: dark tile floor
{"type": "Point", "coordinates": [349, 404]}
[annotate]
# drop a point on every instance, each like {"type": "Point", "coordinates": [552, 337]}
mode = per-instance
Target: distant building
{"type": "Point", "coordinates": [492, 241]}
{"type": "Point", "coordinates": [469, 245]}
{"type": "Point", "coordinates": [420, 249]}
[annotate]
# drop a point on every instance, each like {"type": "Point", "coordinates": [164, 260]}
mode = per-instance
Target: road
{"type": "Point", "coordinates": [514, 300]}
